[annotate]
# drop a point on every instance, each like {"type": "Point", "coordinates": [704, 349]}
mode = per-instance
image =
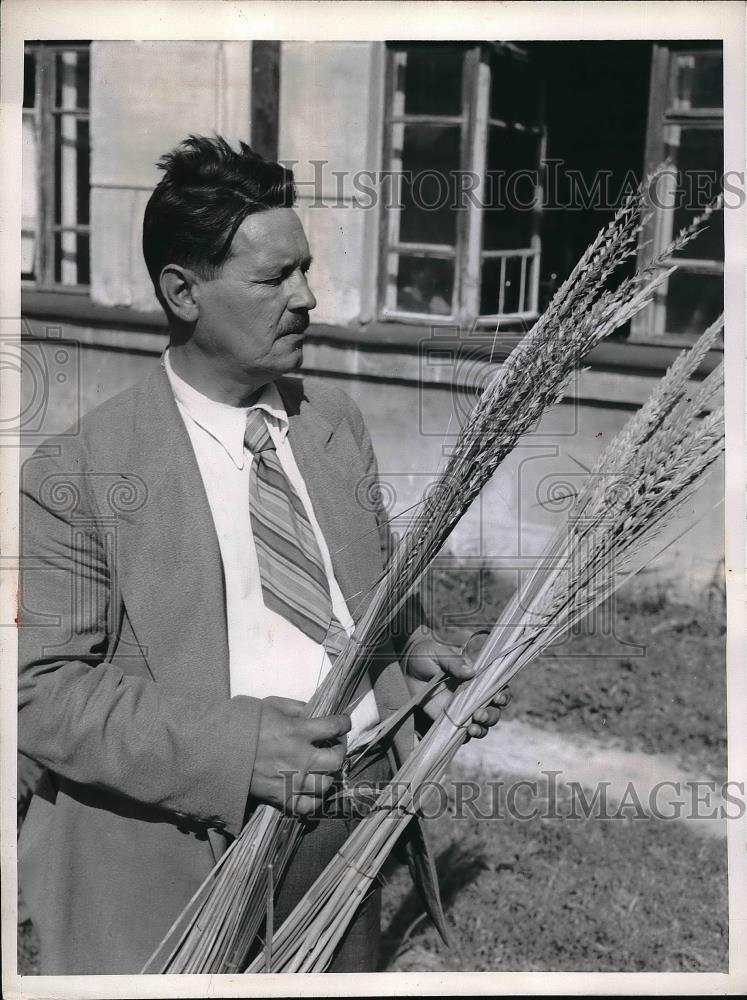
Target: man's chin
{"type": "Point", "coordinates": [298, 356]}
{"type": "Point", "coordinates": [294, 355]}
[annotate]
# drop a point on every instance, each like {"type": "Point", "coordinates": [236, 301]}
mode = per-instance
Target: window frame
{"type": "Point", "coordinates": [468, 253]}
{"type": "Point", "coordinates": [44, 113]}
{"type": "Point", "coordinates": [650, 323]}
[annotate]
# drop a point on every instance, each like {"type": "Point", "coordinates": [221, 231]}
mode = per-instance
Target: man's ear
{"type": "Point", "coordinates": [177, 287]}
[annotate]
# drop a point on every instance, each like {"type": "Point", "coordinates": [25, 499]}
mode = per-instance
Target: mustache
{"type": "Point", "coordinates": [297, 323]}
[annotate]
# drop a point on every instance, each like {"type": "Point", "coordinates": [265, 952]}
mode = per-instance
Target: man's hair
{"type": "Point", "coordinates": [207, 190]}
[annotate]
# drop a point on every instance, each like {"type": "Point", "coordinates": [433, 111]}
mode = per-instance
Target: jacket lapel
{"type": "Point", "coordinates": [170, 569]}
{"type": "Point", "coordinates": [330, 463]}
{"type": "Point", "coordinates": [168, 559]}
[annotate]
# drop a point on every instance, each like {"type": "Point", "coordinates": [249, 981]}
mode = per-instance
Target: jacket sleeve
{"type": "Point", "coordinates": [81, 715]}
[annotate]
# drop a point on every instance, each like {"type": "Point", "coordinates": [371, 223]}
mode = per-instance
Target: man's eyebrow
{"type": "Point", "coordinates": [289, 264]}
{"type": "Point", "coordinates": [304, 260]}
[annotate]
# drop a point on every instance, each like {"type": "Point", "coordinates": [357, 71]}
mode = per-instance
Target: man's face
{"type": "Point", "coordinates": [253, 316]}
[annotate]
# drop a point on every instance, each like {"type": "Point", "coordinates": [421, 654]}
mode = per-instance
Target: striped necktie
{"type": "Point", "coordinates": [294, 581]}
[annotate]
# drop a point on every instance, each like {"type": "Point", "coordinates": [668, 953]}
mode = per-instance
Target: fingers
{"type": "Point", "coordinates": [327, 727]}
{"type": "Point", "coordinates": [298, 758]}
{"type": "Point", "coordinates": [451, 660]}
{"type": "Point", "coordinates": [303, 806]}
{"type": "Point", "coordinates": [489, 716]}
{"type": "Point", "coordinates": [308, 798]}
{"type": "Point", "coordinates": [502, 698]}
{"type": "Point", "coordinates": [327, 760]}
{"type": "Point", "coordinates": [427, 657]}
{"type": "Point", "coordinates": [316, 786]}
{"type": "Point", "coordinates": [324, 763]}
{"type": "Point", "coordinates": [456, 666]}
{"type": "Point", "coordinates": [485, 718]}
{"type": "Point", "coordinates": [481, 722]}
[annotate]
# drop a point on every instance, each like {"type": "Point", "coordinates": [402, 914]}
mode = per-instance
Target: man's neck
{"type": "Point", "coordinates": [206, 375]}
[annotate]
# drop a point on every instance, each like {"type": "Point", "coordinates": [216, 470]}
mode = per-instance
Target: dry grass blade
{"type": "Point", "coordinates": [604, 534]}
{"type": "Point", "coordinates": [582, 312]}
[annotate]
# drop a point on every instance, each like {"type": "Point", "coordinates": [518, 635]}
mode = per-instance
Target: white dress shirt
{"type": "Point", "coordinates": [268, 655]}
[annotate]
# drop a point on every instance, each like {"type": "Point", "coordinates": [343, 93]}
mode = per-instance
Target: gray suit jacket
{"type": "Point", "coordinates": [124, 683]}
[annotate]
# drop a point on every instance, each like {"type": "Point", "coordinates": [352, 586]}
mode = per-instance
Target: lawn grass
{"type": "Point", "coordinates": [596, 895]}
{"type": "Point", "coordinates": [663, 692]}
{"type": "Point", "coordinates": [568, 895]}
{"type": "Point", "coordinates": [627, 895]}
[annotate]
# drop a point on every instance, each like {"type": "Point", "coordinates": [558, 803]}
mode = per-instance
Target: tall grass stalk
{"type": "Point", "coordinates": [218, 927]}
{"type": "Point", "coordinates": [658, 460]}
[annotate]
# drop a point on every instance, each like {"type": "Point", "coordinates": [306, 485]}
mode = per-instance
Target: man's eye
{"type": "Point", "coordinates": [280, 278]}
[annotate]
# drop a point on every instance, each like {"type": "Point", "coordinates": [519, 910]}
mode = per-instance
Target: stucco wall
{"type": "Point", "coordinates": [145, 98]}
{"type": "Point", "coordinates": [331, 101]}
{"type": "Point", "coordinates": [524, 502]}
{"type": "Point", "coordinates": [412, 427]}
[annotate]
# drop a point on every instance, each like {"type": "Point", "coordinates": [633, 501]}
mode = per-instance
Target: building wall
{"type": "Point", "coordinates": [146, 96]}
{"type": "Point", "coordinates": [412, 412]}
{"type": "Point", "coordinates": [331, 102]}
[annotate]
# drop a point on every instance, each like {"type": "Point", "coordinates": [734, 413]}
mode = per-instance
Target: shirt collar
{"type": "Point", "coordinates": [227, 423]}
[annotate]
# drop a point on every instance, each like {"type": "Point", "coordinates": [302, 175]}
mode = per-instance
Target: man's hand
{"type": "Point", "coordinates": [309, 751]}
{"type": "Point", "coordinates": [424, 658]}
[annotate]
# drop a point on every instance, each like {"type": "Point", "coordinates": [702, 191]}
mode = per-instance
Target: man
{"type": "Point", "coordinates": [193, 558]}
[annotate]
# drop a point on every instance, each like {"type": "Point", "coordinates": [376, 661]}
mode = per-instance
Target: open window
{"type": "Point", "coordinates": [686, 126]}
{"type": "Point", "coordinates": [464, 142]}
{"type": "Point", "coordinates": [55, 227]}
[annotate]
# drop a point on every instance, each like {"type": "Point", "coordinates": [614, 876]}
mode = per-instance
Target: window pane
{"type": "Point", "coordinates": [83, 169]}
{"type": "Point", "coordinates": [425, 285]}
{"type": "Point", "coordinates": [514, 88]}
{"type": "Point", "coordinates": [83, 252]}
{"type": "Point", "coordinates": [71, 80]}
{"type": "Point", "coordinates": [430, 159]}
{"type": "Point", "coordinates": [56, 249]}
{"type": "Point", "coordinates": [699, 156]}
{"type": "Point", "coordinates": [71, 266]}
{"type": "Point", "coordinates": [71, 197]}
{"type": "Point", "coordinates": [431, 79]}
{"type": "Point", "coordinates": [693, 301]}
{"type": "Point", "coordinates": [29, 209]}
{"type": "Point", "coordinates": [29, 79]}
{"type": "Point", "coordinates": [72, 155]}
{"type": "Point", "coordinates": [512, 164]}
{"type": "Point", "coordinates": [503, 296]}
{"type": "Point", "coordinates": [698, 81]}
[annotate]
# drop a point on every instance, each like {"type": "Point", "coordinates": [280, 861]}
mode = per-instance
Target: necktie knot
{"type": "Point", "coordinates": [256, 435]}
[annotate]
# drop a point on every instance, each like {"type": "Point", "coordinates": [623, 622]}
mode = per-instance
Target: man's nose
{"type": "Point", "coordinates": [302, 296]}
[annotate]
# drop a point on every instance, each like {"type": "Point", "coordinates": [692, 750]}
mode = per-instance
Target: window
{"type": "Point", "coordinates": [55, 228]}
{"type": "Point", "coordinates": [686, 125]}
{"type": "Point", "coordinates": [464, 134]}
